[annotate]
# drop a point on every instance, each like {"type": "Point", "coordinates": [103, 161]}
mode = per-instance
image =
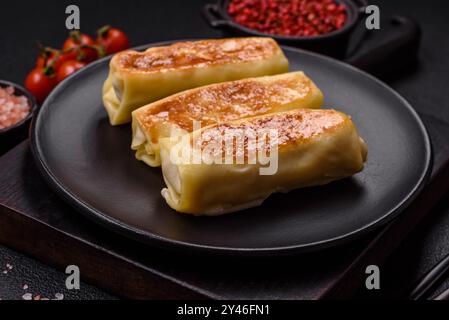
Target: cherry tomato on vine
{"type": "Point", "coordinates": [54, 59]}
{"type": "Point", "coordinates": [40, 82]}
{"type": "Point", "coordinates": [68, 68]}
{"type": "Point", "coordinates": [80, 46]}
{"type": "Point", "coordinates": [112, 40]}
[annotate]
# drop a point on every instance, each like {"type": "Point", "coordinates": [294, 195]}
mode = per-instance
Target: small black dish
{"type": "Point", "coordinates": [334, 43]}
{"type": "Point", "coordinates": [11, 136]}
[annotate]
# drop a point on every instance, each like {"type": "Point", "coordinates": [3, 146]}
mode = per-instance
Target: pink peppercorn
{"type": "Point", "coordinates": [289, 17]}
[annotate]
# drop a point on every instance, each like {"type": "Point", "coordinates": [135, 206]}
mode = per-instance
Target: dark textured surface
{"type": "Point", "coordinates": [147, 21]}
{"type": "Point", "coordinates": [29, 276]}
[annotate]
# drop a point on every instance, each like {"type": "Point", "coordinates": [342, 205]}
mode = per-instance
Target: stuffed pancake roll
{"type": "Point", "coordinates": [209, 173]}
{"type": "Point", "coordinates": [215, 103]}
{"type": "Point", "coordinates": [139, 78]}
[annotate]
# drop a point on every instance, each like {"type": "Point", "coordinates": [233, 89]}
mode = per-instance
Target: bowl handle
{"type": "Point", "coordinates": [390, 48]}
{"type": "Point", "coordinates": [362, 4]}
{"type": "Point", "coordinates": [213, 16]}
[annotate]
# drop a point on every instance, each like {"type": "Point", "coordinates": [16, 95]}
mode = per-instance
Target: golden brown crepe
{"type": "Point", "coordinates": [313, 147]}
{"type": "Point", "coordinates": [215, 103]}
{"type": "Point", "coordinates": [139, 78]}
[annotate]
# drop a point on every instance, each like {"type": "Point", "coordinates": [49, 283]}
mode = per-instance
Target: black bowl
{"type": "Point", "coordinates": [333, 43]}
{"type": "Point", "coordinates": [11, 136]}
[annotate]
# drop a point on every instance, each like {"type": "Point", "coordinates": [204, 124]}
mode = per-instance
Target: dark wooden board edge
{"type": "Point", "coordinates": [99, 267]}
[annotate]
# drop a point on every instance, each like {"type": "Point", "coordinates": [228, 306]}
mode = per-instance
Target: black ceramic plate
{"type": "Point", "coordinates": [90, 164]}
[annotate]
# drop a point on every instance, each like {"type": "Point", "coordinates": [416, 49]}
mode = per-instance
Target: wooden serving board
{"type": "Point", "coordinates": [35, 221]}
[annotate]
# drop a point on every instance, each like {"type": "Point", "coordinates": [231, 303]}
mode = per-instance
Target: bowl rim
{"type": "Point", "coordinates": [353, 10]}
{"type": "Point", "coordinates": [31, 100]}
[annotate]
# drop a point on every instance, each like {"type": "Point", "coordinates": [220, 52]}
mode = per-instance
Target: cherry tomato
{"type": "Point", "coordinates": [68, 68]}
{"type": "Point", "coordinates": [112, 40]}
{"type": "Point", "coordinates": [39, 83]}
{"type": "Point", "coordinates": [54, 60]}
{"type": "Point", "coordinates": [75, 47]}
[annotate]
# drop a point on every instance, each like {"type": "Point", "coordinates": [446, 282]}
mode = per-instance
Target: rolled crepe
{"type": "Point", "coordinates": [139, 78]}
{"type": "Point", "coordinates": [212, 104]}
{"type": "Point", "coordinates": [314, 147]}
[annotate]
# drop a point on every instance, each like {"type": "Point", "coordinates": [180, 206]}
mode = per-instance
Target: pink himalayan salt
{"type": "Point", "coordinates": [13, 109]}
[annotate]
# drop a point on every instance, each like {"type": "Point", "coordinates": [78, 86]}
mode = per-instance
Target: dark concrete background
{"type": "Point", "coordinates": [24, 23]}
